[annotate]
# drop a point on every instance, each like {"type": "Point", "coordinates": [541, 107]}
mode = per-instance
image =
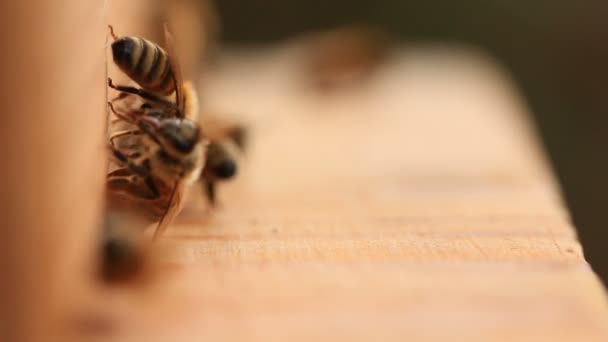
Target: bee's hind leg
{"type": "Point", "coordinates": [120, 96]}
{"type": "Point", "coordinates": [141, 93]}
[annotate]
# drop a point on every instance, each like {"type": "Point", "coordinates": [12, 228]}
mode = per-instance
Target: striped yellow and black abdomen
{"type": "Point", "coordinates": [145, 63]}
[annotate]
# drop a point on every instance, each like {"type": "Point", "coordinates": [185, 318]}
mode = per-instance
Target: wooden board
{"type": "Point", "coordinates": [416, 207]}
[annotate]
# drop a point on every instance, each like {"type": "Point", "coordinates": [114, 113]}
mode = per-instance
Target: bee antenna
{"type": "Point", "coordinates": [112, 32]}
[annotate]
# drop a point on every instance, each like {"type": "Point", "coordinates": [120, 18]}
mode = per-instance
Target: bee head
{"type": "Point", "coordinates": [225, 169]}
{"type": "Point", "coordinates": [178, 135]}
{"type": "Point", "coordinates": [220, 161]}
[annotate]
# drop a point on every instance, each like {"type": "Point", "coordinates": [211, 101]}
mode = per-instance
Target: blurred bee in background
{"type": "Point", "coordinates": [227, 142]}
{"type": "Point", "coordinates": [162, 153]}
{"type": "Point", "coordinates": [122, 251]}
{"type": "Point", "coordinates": [345, 56]}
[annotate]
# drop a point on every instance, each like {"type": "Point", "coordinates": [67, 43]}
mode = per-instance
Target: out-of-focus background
{"type": "Point", "coordinates": [557, 51]}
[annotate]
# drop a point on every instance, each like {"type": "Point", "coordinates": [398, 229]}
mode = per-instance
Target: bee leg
{"type": "Point", "coordinates": [119, 97]}
{"type": "Point", "coordinates": [122, 180]}
{"type": "Point", "coordinates": [152, 186]}
{"type": "Point", "coordinates": [209, 187]}
{"type": "Point", "coordinates": [113, 121]}
{"type": "Point", "coordinates": [122, 134]}
{"type": "Point", "coordinates": [139, 170]}
{"type": "Point", "coordinates": [112, 32]}
{"type": "Point", "coordinates": [142, 93]}
{"type": "Point", "coordinates": [120, 116]}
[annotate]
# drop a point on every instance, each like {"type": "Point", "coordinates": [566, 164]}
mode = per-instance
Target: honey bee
{"type": "Point", "coordinates": [165, 154]}
{"type": "Point", "coordinates": [226, 143]}
{"type": "Point", "coordinates": [150, 66]}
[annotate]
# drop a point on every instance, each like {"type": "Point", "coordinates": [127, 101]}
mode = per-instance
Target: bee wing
{"type": "Point", "coordinates": [173, 208]}
{"type": "Point", "coordinates": [191, 102]}
{"type": "Point", "coordinates": [175, 68]}
{"type": "Point", "coordinates": [125, 192]}
{"type": "Point", "coordinates": [218, 129]}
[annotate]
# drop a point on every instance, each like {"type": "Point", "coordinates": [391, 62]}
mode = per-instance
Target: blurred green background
{"type": "Point", "coordinates": [557, 51]}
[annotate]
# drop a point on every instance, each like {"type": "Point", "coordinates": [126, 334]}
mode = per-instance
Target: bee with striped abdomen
{"type": "Point", "coordinates": [164, 154]}
{"type": "Point", "coordinates": [157, 72]}
{"type": "Point", "coordinates": [145, 63]}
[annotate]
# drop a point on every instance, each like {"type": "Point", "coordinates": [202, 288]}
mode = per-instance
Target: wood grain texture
{"type": "Point", "coordinates": [416, 207]}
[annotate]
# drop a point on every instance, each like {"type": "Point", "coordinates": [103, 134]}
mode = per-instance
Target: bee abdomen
{"type": "Point", "coordinates": [145, 63]}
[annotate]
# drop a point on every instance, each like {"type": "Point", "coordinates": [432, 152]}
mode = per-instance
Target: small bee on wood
{"type": "Point", "coordinates": [226, 143]}
{"type": "Point", "coordinates": [164, 154]}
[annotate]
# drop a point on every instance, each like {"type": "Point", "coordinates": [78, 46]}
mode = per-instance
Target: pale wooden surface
{"type": "Point", "coordinates": [416, 208]}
